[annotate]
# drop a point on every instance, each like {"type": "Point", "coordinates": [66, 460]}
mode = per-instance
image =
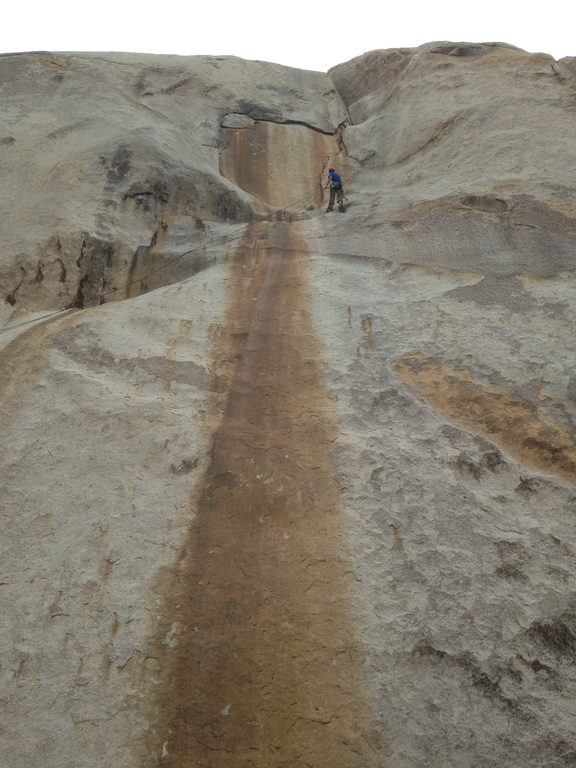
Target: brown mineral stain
{"type": "Point", "coordinates": [517, 425]}
{"type": "Point", "coordinates": [22, 363]}
{"type": "Point", "coordinates": [258, 662]}
{"type": "Point", "coordinates": [281, 165]}
{"type": "Point", "coordinates": [106, 661]}
{"type": "Point", "coordinates": [398, 543]}
{"type": "Point", "coordinates": [366, 324]}
{"type": "Point", "coordinates": [106, 567]}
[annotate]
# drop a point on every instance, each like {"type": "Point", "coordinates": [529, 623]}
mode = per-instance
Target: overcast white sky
{"type": "Point", "coordinates": [309, 35]}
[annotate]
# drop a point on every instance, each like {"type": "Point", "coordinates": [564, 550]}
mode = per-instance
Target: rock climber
{"type": "Point", "coordinates": [336, 191]}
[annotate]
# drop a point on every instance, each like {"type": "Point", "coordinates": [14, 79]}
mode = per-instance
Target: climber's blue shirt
{"type": "Point", "coordinates": [335, 177]}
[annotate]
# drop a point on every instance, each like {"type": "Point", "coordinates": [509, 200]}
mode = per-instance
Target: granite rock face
{"type": "Point", "coordinates": [283, 487]}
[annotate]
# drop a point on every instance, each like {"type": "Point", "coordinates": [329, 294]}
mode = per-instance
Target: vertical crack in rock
{"type": "Point", "coordinates": [95, 265]}
{"type": "Point", "coordinates": [259, 664]}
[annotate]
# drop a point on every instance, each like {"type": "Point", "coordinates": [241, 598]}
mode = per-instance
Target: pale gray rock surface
{"type": "Point", "coordinates": [459, 248]}
{"type": "Point", "coordinates": [438, 312]}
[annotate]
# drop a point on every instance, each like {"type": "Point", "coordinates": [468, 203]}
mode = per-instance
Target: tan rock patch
{"type": "Point", "coordinates": [516, 425]}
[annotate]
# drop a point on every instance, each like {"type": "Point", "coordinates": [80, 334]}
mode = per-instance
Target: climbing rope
{"type": "Point", "coordinates": [219, 240]}
{"type": "Point", "coordinates": [168, 263]}
{"type": "Point", "coordinates": [34, 320]}
{"type": "Point", "coordinates": [304, 202]}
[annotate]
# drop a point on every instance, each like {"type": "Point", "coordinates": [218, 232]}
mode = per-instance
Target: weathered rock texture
{"type": "Point", "coordinates": [282, 488]}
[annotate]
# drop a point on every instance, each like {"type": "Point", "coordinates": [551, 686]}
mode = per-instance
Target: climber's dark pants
{"type": "Point", "coordinates": [336, 192]}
